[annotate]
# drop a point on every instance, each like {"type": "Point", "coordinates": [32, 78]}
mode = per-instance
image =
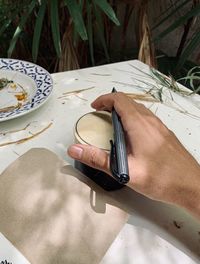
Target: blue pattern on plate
{"type": "Point", "coordinates": [42, 80]}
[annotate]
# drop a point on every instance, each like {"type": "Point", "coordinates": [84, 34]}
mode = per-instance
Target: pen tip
{"type": "Point", "coordinates": [114, 90]}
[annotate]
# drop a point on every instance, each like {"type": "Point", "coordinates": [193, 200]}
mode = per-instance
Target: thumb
{"type": "Point", "coordinates": [90, 155]}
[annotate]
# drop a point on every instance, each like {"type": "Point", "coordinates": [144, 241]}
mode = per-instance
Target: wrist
{"type": "Point", "coordinates": [189, 191]}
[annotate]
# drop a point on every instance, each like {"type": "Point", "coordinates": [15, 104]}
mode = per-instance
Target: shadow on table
{"type": "Point", "coordinates": [47, 215]}
{"type": "Point", "coordinates": [169, 222]}
{"type": "Point", "coordinates": [36, 212]}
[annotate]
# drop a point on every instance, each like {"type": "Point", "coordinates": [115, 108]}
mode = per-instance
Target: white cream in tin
{"type": "Point", "coordinates": [95, 129]}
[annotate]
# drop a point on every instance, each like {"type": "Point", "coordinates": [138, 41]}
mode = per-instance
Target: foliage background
{"type": "Point", "coordinates": [68, 34]}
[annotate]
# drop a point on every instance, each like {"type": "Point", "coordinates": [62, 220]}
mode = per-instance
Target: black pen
{"type": "Point", "coordinates": [118, 154]}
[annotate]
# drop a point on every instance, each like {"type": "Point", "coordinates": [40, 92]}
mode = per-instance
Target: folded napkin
{"type": "Point", "coordinates": [53, 214]}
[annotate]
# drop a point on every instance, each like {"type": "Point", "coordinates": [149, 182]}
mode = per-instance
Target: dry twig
{"type": "Point", "coordinates": [101, 74]}
{"type": "Point", "coordinates": [10, 108]}
{"type": "Point", "coordinates": [22, 140]}
{"type": "Point", "coordinates": [14, 131]}
{"type": "Point", "coordinates": [142, 97]}
{"type": "Point", "coordinates": [75, 92]}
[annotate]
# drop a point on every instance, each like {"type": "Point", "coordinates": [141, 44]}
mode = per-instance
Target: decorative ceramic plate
{"type": "Point", "coordinates": [24, 87]}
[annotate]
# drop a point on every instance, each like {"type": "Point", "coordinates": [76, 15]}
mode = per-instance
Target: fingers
{"type": "Point", "coordinates": [91, 156]}
{"type": "Point", "coordinates": [119, 101]}
{"type": "Point", "coordinates": [129, 111]}
{"type": "Point", "coordinates": [124, 105]}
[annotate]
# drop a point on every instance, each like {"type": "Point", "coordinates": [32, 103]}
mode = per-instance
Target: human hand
{"type": "Point", "coordinates": [159, 166]}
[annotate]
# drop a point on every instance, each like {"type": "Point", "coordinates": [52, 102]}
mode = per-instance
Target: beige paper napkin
{"type": "Point", "coordinates": [54, 214]}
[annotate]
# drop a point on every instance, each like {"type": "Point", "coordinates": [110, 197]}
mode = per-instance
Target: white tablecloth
{"type": "Point", "coordinates": [155, 233]}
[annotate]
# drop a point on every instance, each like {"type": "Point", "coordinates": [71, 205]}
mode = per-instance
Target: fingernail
{"type": "Point", "coordinates": [75, 152]}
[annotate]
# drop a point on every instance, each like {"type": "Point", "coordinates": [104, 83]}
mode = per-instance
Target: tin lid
{"type": "Point", "coordinates": [95, 129]}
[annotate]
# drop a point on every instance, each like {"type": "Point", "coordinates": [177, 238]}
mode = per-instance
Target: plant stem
{"type": "Point", "coordinates": [184, 37]}
{"type": "Point", "coordinates": [187, 28]}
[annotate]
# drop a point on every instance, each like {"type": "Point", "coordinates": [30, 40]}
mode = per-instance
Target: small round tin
{"type": "Point", "coordinates": [95, 128]}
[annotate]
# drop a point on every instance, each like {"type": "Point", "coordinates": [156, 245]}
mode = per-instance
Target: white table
{"type": "Point", "coordinates": [155, 233]}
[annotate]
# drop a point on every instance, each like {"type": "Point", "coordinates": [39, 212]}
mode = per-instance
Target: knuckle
{"type": "Point", "coordinates": [99, 160]}
{"type": "Point", "coordinates": [94, 159]}
{"type": "Point", "coordinates": [119, 95]}
{"type": "Point", "coordinates": [141, 105]}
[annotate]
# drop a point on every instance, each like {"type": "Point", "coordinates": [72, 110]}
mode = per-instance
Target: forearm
{"type": "Point", "coordinates": [190, 193]}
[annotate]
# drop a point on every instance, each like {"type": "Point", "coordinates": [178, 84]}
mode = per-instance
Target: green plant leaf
{"type": "Point", "coordinates": [5, 25]}
{"type": "Point", "coordinates": [172, 5]}
{"type": "Point", "coordinates": [196, 91]}
{"type": "Point", "coordinates": [170, 14]}
{"type": "Point", "coordinates": [192, 69]}
{"type": "Point", "coordinates": [55, 28]}
{"type": "Point", "coordinates": [160, 92]}
{"type": "Point", "coordinates": [192, 77]}
{"type": "Point", "coordinates": [76, 14]}
{"type": "Point", "coordinates": [38, 29]}
{"type": "Point", "coordinates": [7, 22]}
{"type": "Point", "coordinates": [194, 12]}
{"type": "Point", "coordinates": [20, 27]}
{"type": "Point", "coordinates": [107, 9]}
{"type": "Point", "coordinates": [76, 35]}
{"type": "Point", "coordinates": [100, 31]}
{"type": "Point", "coordinates": [189, 49]}
{"type": "Point", "coordinates": [90, 30]}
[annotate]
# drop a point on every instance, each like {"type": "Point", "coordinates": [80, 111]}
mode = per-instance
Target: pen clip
{"type": "Point", "coordinates": [114, 167]}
